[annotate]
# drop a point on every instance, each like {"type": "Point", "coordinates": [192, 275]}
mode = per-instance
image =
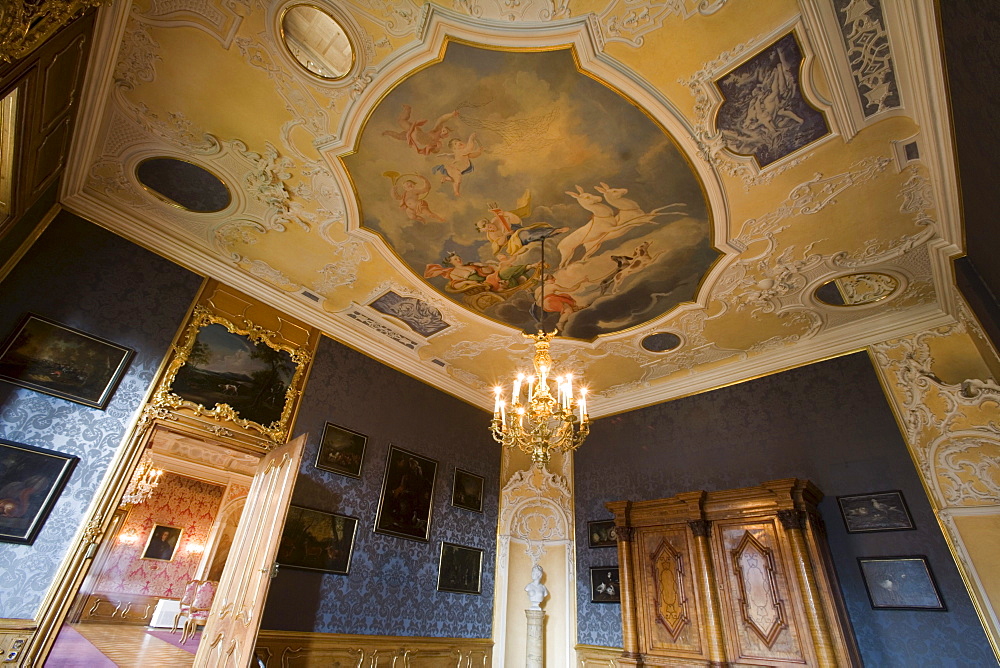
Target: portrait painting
{"type": "Point", "coordinates": [460, 569]}
{"type": "Point", "coordinates": [601, 533]}
{"type": "Point", "coordinates": [764, 114]}
{"type": "Point", "coordinates": [900, 583]}
{"type": "Point", "coordinates": [31, 480]}
{"type": "Point", "coordinates": [877, 511]}
{"type": "Point", "coordinates": [317, 541]}
{"type": "Point", "coordinates": [228, 368]}
{"type": "Point", "coordinates": [604, 585]}
{"type": "Point", "coordinates": [45, 356]}
{"type": "Point", "coordinates": [404, 507]}
{"type": "Point", "coordinates": [162, 543]}
{"type": "Point", "coordinates": [468, 491]}
{"type": "Point", "coordinates": [341, 451]}
{"type": "Point", "coordinates": [472, 164]}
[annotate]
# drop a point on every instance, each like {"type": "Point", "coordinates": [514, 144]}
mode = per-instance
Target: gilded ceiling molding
{"type": "Point", "coordinates": [25, 25]}
{"type": "Point", "coordinates": [627, 21]}
{"type": "Point", "coordinates": [514, 11]}
{"type": "Point", "coordinates": [221, 20]}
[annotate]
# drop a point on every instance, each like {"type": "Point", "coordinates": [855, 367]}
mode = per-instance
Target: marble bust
{"type": "Point", "coordinates": [535, 589]}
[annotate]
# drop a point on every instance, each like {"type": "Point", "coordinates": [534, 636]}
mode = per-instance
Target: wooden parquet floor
{"type": "Point", "coordinates": [130, 646]}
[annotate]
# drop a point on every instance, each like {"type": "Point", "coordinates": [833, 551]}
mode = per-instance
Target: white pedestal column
{"type": "Point", "coordinates": [535, 656]}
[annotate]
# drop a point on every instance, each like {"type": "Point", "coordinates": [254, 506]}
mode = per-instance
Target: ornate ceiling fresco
{"type": "Point", "coordinates": [722, 188]}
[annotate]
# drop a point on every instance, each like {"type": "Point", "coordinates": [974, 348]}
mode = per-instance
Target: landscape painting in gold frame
{"type": "Point", "coordinates": [239, 374]}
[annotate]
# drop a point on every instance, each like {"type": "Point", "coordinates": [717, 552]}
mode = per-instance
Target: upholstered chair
{"type": "Point", "coordinates": [199, 609]}
{"type": "Point", "coordinates": [186, 600]}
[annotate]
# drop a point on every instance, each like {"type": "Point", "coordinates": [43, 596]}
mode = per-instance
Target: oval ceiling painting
{"type": "Point", "coordinates": [472, 165]}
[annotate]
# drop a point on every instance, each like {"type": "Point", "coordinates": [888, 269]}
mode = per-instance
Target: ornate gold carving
{"type": "Point", "coordinates": [26, 24]}
{"type": "Point", "coordinates": [165, 401]}
{"type": "Point", "coordinates": [760, 603]}
{"type": "Point", "coordinates": [792, 519]}
{"type": "Point", "coordinates": [670, 603]}
{"type": "Point", "coordinates": [624, 534]}
{"type": "Point", "coordinates": [92, 534]}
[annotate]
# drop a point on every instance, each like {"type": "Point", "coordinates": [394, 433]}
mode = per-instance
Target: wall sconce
{"type": "Point", "coordinates": [195, 548]}
{"type": "Point", "coordinates": [128, 538]}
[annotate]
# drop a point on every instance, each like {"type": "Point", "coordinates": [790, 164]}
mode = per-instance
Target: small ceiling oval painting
{"type": "Point", "coordinates": [473, 165]}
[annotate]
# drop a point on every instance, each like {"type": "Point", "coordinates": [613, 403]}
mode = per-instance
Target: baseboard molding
{"type": "Point", "coordinates": [593, 656]}
{"type": "Point", "coordinates": [296, 649]}
{"type": "Point", "coordinates": [119, 608]}
{"type": "Point", "coordinates": [14, 637]}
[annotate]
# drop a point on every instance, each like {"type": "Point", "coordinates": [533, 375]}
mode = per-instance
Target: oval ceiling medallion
{"type": "Point", "coordinates": [661, 342]}
{"type": "Point", "coordinates": [317, 41]}
{"type": "Point", "coordinates": [857, 289]}
{"type": "Point", "coordinates": [469, 165]}
{"type": "Point", "coordinates": [184, 184]}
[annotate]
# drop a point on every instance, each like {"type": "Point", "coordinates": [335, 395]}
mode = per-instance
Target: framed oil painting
{"type": "Point", "coordinates": [468, 491]}
{"type": "Point", "coordinates": [341, 451]}
{"type": "Point", "coordinates": [162, 543]}
{"type": "Point", "coordinates": [404, 507]}
{"type": "Point", "coordinates": [45, 356]}
{"type": "Point", "coordinates": [877, 511]}
{"type": "Point", "coordinates": [317, 541]}
{"type": "Point", "coordinates": [900, 583]}
{"type": "Point", "coordinates": [31, 480]}
{"type": "Point", "coordinates": [242, 375]}
{"type": "Point", "coordinates": [460, 569]}
{"type": "Point", "coordinates": [601, 533]}
{"type": "Point", "coordinates": [604, 585]}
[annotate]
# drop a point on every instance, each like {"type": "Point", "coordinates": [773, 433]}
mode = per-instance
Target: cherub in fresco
{"type": "Point", "coordinates": [462, 275]}
{"type": "Point", "coordinates": [507, 234]}
{"type": "Point", "coordinates": [410, 190]}
{"type": "Point", "coordinates": [460, 164]}
{"type": "Point", "coordinates": [424, 142]}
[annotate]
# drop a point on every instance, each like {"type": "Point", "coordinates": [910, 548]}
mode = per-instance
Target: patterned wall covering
{"type": "Point", "coordinates": [90, 279]}
{"type": "Point", "coordinates": [828, 422]}
{"type": "Point", "coordinates": [392, 585]}
{"type": "Point", "coordinates": [178, 501]}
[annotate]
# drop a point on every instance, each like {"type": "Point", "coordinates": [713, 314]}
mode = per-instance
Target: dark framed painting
{"type": "Point", "coordinates": [876, 511]}
{"type": "Point", "coordinates": [601, 533]}
{"type": "Point", "coordinates": [31, 480]}
{"type": "Point", "coordinates": [604, 585]}
{"type": "Point", "coordinates": [404, 507]}
{"type": "Point", "coordinates": [467, 492]}
{"type": "Point", "coordinates": [317, 541]}
{"type": "Point", "coordinates": [45, 356]}
{"type": "Point", "coordinates": [341, 451]}
{"type": "Point", "coordinates": [900, 583]}
{"type": "Point", "coordinates": [460, 569]}
{"type": "Point", "coordinates": [162, 543]}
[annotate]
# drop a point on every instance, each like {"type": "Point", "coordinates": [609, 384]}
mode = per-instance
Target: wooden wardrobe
{"type": "Point", "coordinates": [740, 577]}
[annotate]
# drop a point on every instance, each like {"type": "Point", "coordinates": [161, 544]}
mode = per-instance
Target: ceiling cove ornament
{"type": "Point", "coordinates": [457, 182]}
{"type": "Point", "coordinates": [221, 20]}
{"type": "Point", "coordinates": [627, 22]}
{"type": "Point", "coordinates": [517, 11]}
{"type": "Point", "coordinates": [868, 51]}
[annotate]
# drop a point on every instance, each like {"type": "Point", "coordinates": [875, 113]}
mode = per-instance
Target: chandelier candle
{"type": "Point", "coordinates": [544, 423]}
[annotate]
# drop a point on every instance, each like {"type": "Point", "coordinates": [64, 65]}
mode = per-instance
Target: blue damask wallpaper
{"type": "Point", "coordinates": [87, 278]}
{"type": "Point", "coordinates": [391, 588]}
{"type": "Point", "coordinates": [828, 422]}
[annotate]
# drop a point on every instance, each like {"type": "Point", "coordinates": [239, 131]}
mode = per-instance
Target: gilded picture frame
{"type": "Point", "coordinates": [162, 543]}
{"type": "Point", "coordinates": [460, 569]}
{"type": "Point", "coordinates": [314, 540]}
{"type": "Point", "coordinates": [901, 583]}
{"type": "Point", "coordinates": [219, 364]}
{"type": "Point", "coordinates": [31, 481]}
{"type": "Point", "coordinates": [49, 357]}
{"type": "Point", "coordinates": [407, 500]}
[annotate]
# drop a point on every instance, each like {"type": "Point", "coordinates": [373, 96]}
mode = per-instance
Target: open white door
{"type": "Point", "coordinates": [232, 625]}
